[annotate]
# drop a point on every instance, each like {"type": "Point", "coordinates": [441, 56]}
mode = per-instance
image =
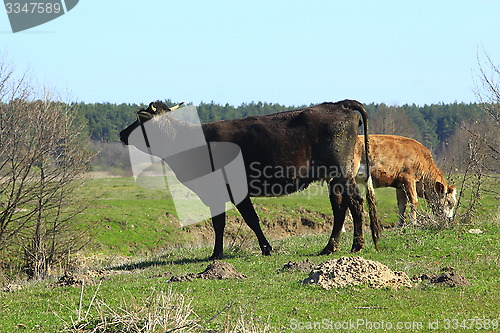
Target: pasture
{"type": "Point", "coordinates": [136, 246]}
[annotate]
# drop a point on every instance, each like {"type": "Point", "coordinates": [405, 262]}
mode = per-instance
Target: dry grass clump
{"type": "Point", "coordinates": [160, 312]}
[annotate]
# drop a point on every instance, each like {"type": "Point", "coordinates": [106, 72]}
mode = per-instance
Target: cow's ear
{"type": "Point", "coordinates": [439, 188]}
{"type": "Point", "coordinates": [152, 107]}
{"type": "Point", "coordinates": [452, 190]}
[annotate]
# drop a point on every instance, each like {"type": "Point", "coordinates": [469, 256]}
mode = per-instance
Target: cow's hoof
{"type": "Point", "coordinates": [356, 248]}
{"type": "Point", "coordinates": [214, 257]}
{"type": "Point", "coordinates": [266, 250]}
{"type": "Point", "coordinates": [331, 246]}
{"type": "Point", "coordinates": [326, 251]}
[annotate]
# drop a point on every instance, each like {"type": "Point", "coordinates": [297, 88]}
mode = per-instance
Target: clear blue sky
{"type": "Point", "coordinates": [289, 52]}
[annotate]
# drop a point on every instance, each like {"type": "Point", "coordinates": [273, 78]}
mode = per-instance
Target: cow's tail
{"type": "Point", "coordinates": [372, 210]}
{"type": "Point", "coordinates": [370, 192]}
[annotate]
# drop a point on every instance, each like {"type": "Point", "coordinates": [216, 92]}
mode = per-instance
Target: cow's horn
{"type": "Point", "coordinates": [175, 107]}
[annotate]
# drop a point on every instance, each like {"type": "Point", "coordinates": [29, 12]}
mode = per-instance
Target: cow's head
{"type": "Point", "coordinates": [447, 199]}
{"type": "Point", "coordinates": [143, 115]}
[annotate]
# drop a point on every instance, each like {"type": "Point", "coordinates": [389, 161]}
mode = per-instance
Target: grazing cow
{"type": "Point", "coordinates": [283, 153]}
{"type": "Point", "coordinates": [408, 166]}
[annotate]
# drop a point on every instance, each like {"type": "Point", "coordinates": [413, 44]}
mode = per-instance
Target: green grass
{"type": "Point", "coordinates": [128, 221]}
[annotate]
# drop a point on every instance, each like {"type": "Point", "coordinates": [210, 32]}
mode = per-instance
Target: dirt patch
{"type": "Point", "coordinates": [301, 266]}
{"type": "Point", "coordinates": [220, 270]}
{"type": "Point", "coordinates": [448, 278]}
{"type": "Point", "coordinates": [354, 271]}
{"type": "Point", "coordinates": [70, 279]}
{"type": "Point", "coordinates": [217, 270]}
{"type": "Point", "coordinates": [182, 278]}
{"type": "Point", "coordinates": [89, 277]}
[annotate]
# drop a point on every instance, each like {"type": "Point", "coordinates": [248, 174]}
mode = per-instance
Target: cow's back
{"type": "Point", "coordinates": [290, 147]}
{"type": "Point", "coordinates": [395, 158]}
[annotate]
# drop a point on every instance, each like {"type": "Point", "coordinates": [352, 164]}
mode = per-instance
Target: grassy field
{"type": "Point", "coordinates": [136, 246]}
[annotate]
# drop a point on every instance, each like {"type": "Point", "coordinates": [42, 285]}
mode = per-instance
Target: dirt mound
{"type": "Point", "coordinates": [448, 278]}
{"type": "Point", "coordinates": [354, 271]}
{"type": "Point", "coordinates": [89, 277]}
{"type": "Point", "coordinates": [220, 270]}
{"type": "Point", "coordinates": [217, 270]}
{"type": "Point", "coordinates": [182, 278]}
{"type": "Point", "coordinates": [301, 266]}
{"type": "Point", "coordinates": [70, 279]}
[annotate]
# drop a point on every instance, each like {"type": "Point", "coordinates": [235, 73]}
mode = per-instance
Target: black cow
{"type": "Point", "coordinates": [285, 152]}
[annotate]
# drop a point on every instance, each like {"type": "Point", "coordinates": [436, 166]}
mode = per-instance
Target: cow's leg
{"type": "Point", "coordinates": [413, 198]}
{"type": "Point", "coordinates": [339, 208]}
{"type": "Point", "coordinates": [355, 203]}
{"type": "Point", "coordinates": [219, 222]}
{"type": "Point", "coordinates": [251, 218]}
{"type": "Point", "coordinates": [401, 196]}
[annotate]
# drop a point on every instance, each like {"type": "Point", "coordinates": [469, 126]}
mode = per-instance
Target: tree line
{"type": "Point", "coordinates": [433, 125]}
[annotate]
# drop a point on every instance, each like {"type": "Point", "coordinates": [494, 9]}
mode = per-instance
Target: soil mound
{"type": "Point", "coordinates": [301, 266]}
{"type": "Point", "coordinates": [220, 270]}
{"type": "Point", "coordinates": [217, 270]}
{"type": "Point", "coordinates": [71, 279]}
{"type": "Point", "coordinates": [89, 277]}
{"type": "Point", "coordinates": [354, 271]}
{"type": "Point", "coordinates": [448, 278]}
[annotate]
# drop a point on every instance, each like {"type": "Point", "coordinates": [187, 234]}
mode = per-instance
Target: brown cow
{"type": "Point", "coordinates": [311, 144]}
{"type": "Point", "coordinates": [408, 166]}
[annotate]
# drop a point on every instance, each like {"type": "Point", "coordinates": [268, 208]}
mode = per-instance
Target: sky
{"type": "Point", "coordinates": [288, 52]}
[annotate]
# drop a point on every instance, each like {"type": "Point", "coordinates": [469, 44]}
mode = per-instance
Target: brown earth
{"type": "Point", "coordinates": [354, 271]}
{"type": "Point", "coordinates": [448, 278]}
{"type": "Point", "coordinates": [301, 266]}
{"type": "Point", "coordinates": [87, 277]}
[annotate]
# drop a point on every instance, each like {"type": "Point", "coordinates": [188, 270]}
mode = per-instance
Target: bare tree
{"type": "Point", "coordinates": [474, 148]}
{"type": "Point", "coordinates": [488, 93]}
{"type": "Point", "coordinates": [394, 121]}
{"type": "Point", "coordinates": [488, 88]}
{"type": "Point", "coordinates": [42, 154]}
{"type": "Point", "coordinates": [111, 157]}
